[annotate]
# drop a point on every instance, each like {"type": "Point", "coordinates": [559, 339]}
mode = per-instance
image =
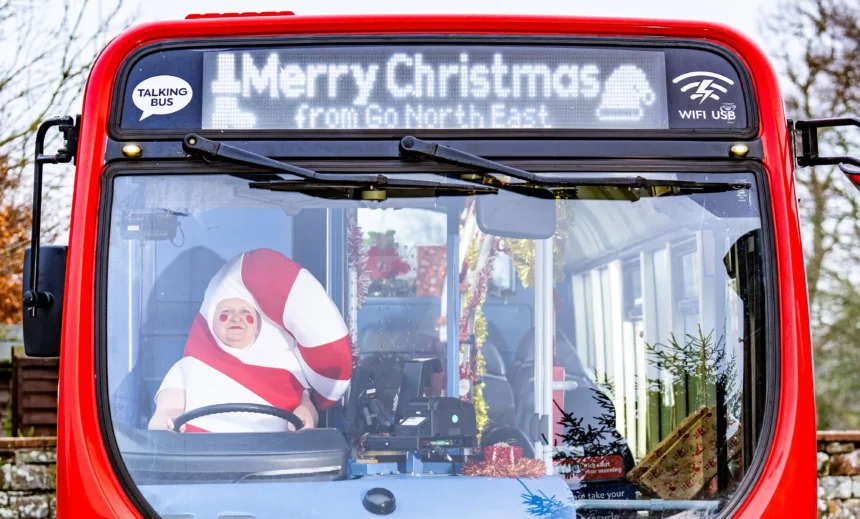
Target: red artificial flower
{"type": "Point", "coordinates": [385, 262]}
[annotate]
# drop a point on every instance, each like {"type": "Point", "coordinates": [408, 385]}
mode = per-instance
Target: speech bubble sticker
{"type": "Point", "coordinates": [161, 95]}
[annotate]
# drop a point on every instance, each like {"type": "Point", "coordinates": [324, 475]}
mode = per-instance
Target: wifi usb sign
{"type": "Point", "coordinates": [707, 98]}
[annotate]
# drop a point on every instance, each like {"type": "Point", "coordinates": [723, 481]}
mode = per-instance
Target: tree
{"type": "Point", "coordinates": [816, 46]}
{"type": "Point", "coordinates": [46, 56]}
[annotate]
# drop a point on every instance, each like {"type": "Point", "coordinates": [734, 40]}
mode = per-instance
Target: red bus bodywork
{"type": "Point", "coordinates": [86, 483]}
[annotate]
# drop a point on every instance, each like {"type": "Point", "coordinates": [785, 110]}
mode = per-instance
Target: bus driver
{"type": "Point", "coordinates": [267, 333]}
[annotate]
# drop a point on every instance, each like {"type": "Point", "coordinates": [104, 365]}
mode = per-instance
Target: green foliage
{"type": "Point", "coordinates": [701, 360]}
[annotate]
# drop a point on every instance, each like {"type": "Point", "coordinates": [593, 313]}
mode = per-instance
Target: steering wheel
{"type": "Point", "coordinates": [237, 408]}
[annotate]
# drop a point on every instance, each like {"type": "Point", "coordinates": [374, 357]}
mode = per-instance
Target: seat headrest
{"type": "Point", "coordinates": [494, 361]}
{"type": "Point", "coordinates": [565, 353]}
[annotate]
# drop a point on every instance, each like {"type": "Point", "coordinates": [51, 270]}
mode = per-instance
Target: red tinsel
{"type": "Point", "coordinates": [527, 468]}
{"type": "Point", "coordinates": [504, 461]}
{"type": "Point", "coordinates": [477, 293]}
{"type": "Point", "coordinates": [356, 256]}
{"type": "Point", "coordinates": [468, 314]}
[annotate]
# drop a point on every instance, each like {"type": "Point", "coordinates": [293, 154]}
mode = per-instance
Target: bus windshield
{"type": "Point", "coordinates": [303, 352]}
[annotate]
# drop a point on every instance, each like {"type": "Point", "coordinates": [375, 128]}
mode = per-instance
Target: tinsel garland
{"type": "Point", "coordinates": [525, 468]}
{"type": "Point", "coordinates": [475, 297]}
{"type": "Point", "coordinates": [504, 461]}
{"type": "Point", "coordinates": [356, 258]}
{"type": "Point", "coordinates": [522, 252]}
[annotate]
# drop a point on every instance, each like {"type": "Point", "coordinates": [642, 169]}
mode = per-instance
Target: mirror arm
{"type": "Point", "coordinates": [809, 157]}
{"type": "Point", "coordinates": [207, 149]}
{"type": "Point", "coordinates": [69, 126]}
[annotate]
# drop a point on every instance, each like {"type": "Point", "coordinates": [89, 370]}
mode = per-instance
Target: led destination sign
{"type": "Point", "coordinates": [444, 87]}
{"type": "Point", "coordinates": [441, 87]}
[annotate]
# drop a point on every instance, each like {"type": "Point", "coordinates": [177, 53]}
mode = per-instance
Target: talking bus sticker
{"type": "Point", "coordinates": [161, 95]}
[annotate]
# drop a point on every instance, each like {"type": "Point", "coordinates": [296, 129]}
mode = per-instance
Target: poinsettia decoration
{"type": "Point", "coordinates": [383, 259]}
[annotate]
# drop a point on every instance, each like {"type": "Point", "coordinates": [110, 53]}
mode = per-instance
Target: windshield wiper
{"type": "Point", "coordinates": [349, 186]}
{"type": "Point", "coordinates": [540, 185]}
{"type": "Point", "coordinates": [381, 189]}
{"type": "Point", "coordinates": [356, 186]}
{"type": "Point", "coordinates": [207, 149]}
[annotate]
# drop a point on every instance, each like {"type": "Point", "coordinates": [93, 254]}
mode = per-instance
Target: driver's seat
{"type": "Point", "coordinates": [167, 320]}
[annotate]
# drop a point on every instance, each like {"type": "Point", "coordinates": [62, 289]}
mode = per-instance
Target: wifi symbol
{"type": "Point", "coordinates": [705, 86]}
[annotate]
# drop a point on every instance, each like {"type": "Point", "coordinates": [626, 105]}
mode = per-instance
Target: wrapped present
{"type": "Point", "coordinates": [430, 272]}
{"type": "Point", "coordinates": [502, 454]}
{"type": "Point", "coordinates": [685, 461]}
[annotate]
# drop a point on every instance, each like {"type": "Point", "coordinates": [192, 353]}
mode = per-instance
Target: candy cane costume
{"type": "Point", "coordinates": [303, 345]}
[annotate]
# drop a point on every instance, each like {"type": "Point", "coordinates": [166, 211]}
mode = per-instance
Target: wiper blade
{"type": "Point", "coordinates": [640, 181]}
{"type": "Point", "coordinates": [381, 189]}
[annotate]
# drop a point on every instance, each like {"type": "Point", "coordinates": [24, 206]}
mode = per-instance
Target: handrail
{"type": "Point", "coordinates": [653, 505]}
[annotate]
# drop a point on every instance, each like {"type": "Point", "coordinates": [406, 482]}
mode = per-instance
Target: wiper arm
{"type": "Point", "coordinates": [410, 145]}
{"type": "Point", "coordinates": [354, 187]}
{"type": "Point", "coordinates": [207, 149]}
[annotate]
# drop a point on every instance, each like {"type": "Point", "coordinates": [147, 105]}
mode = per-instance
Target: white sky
{"type": "Point", "coordinates": [741, 14]}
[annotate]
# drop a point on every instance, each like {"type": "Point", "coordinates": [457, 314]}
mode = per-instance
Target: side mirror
{"type": "Point", "coordinates": [511, 215]}
{"type": "Point", "coordinates": [43, 303]}
{"type": "Point", "coordinates": [807, 139]}
{"type": "Point", "coordinates": [42, 328]}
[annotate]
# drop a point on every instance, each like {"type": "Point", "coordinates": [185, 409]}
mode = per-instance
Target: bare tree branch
{"type": "Point", "coordinates": [816, 44]}
{"type": "Point", "coordinates": [46, 55]}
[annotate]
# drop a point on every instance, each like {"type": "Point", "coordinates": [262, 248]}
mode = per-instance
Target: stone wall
{"type": "Point", "coordinates": [839, 475]}
{"type": "Point", "coordinates": [28, 476]}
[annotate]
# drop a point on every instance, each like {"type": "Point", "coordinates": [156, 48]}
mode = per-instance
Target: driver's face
{"type": "Point", "coordinates": [236, 323]}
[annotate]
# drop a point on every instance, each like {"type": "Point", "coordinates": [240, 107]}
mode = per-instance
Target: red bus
{"type": "Point", "coordinates": [430, 266]}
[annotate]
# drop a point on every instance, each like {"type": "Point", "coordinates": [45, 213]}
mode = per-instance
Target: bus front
{"type": "Point", "coordinates": [355, 267]}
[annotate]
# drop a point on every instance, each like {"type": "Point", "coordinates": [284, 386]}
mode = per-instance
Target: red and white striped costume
{"type": "Point", "coordinates": [303, 345]}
